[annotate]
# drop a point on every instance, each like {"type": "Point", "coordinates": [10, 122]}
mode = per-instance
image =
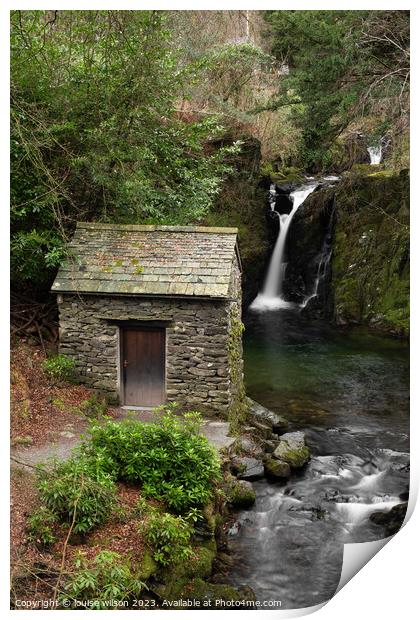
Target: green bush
{"type": "Point", "coordinates": [105, 578]}
{"type": "Point", "coordinates": [59, 368]}
{"type": "Point", "coordinates": [169, 536]}
{"type": "Point", "coordinates": [79, 489]}
{"type": "Point", "coordinates": [172, 461]}
{"type": "Point", "coordinates": [40, 526]}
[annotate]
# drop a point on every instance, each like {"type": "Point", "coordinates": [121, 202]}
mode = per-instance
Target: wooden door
{"type": "Point", "coordinates": [143, 366]}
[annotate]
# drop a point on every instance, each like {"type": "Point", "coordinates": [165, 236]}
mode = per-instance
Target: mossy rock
{"type": "Point", "coordinates": [209, 517]}
{"type": "Point", "coordinates": [212, 594]}
{"type": "Point", "coordinates": [276, 469]}
{"type": "Point", "coordinates": [173, 578]}
{"type": "Point", "coordinates": [370, 267]}
{"type": "Point", "coordinates": [242, 495]}
{"type": "Point", "coordinates": [292, 450]}
{"type": "Point", "coordinates": [148, 566]}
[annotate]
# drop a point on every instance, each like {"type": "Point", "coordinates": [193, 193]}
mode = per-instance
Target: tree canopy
{"type": "Point", "coordinates": [95, 133]}
{"type": "Point", "coordinates": [137, 116]}
{"type": "Point", "coordinates": [342, 65]}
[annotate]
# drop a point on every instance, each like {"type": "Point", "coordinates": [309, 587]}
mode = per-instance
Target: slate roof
{"type": "Point", "coordinates": [148, 260]}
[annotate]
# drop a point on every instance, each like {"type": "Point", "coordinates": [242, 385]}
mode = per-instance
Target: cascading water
{"type": "Point", "coordinates": [322, 271]}
{"type": "Point", "coordinates": [271, 297]}
{"type": "Point", "coordinates": [349, 394]}
{"type": "Point", "coordinates": [323, 263]}
{"type": "Point", "coordinates": [375, 154]}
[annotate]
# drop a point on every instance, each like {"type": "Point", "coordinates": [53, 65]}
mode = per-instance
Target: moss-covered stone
{"type": "Point", "coordinates": [238, 408]}
{"type": "Point", "coordinates": [367, 283]}
{"type": "Point", "coordinates": [209, 517]}
{"type": "Point", "coordinates": [242, 495]}
{"type": "Point", "coordinates": [370, 268]}
{"type": "Point", "coordinates": [214, 593]}
{"type": "Point", "coordinates": [173, 578]}
{"type": "Point", "coordinates": [276, 469]}
{"type": "Point", "coordinates": [292, 450]}
{"type": "Point", "coordinates": [148, 566]}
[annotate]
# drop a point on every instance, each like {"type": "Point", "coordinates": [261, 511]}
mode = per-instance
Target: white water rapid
{"type": "Point", "coordinates": [271, 297]}
{"type": "Point", "coordinates": [375, 154]}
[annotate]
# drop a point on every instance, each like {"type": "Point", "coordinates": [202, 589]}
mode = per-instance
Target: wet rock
{"type": "Point", "coordinates": [148, 565]}
{"type": "Point", "coordinates": [276, 469]}
{"type": "Point", "coordinates": [263, 429]}
{"type": "Point", "coordinates": [218, 595]}
{"type": "Point", "coordinates": [258, 413]}
{"type": "Point", "coordinates": [392, 520]}
{"type": "Point", "coordinates": [242, 495]}
{"type": "Point", "coordinates": [292, 449]}
{"type": "Point", "coordinates": [283, 202]}
{"type": "Point", "coordinates": [316, 512]}
{"type": "Point", "coordinates": [270, 445]}
{"type": "Point", "coordinates": [247, 468]}
{"type": "Point", "coordinates": [247, 446]}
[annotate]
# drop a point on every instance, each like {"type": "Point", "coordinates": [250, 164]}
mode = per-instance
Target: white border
{"type": "Point", "coordinates": [387, 586]}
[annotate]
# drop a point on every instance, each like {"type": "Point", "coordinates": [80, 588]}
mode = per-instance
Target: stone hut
{"type": "Point", "coordinates": [152, 314]}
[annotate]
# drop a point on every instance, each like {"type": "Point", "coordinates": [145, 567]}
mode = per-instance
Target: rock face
{"type": "Point", "coordinates": [308, 252]}
{"type": "Point", "coordinates": [362, 222]}
{"type": "Point", "coordinates": [292, 450]}
{"type": "Point", "coordinates": [243, 202]}
{"type": "Point", "coordinates": [370, 264]}
{"type": "Point", "coordinates": [284, 204]}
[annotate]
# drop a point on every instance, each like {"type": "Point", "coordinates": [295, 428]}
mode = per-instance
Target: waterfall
{"type": "Point", "coordinates": [271, 297]}
{"type": "Point", "coordinates": [375, 153]}
{"type": "Point", "coordinates": [322, 271]}
{"type": "Point", "coordinates": [323, 261]}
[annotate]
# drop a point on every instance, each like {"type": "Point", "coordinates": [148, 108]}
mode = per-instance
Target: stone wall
{"type": "Point", "coordinates": [198, 373]}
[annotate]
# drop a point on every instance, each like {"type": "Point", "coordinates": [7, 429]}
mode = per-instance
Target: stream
{"type": "Point", "coordinates": [348, 391]}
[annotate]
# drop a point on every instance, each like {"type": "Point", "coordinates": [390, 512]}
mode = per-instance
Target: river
{"type": "Point", "coordinates": [348, 391]}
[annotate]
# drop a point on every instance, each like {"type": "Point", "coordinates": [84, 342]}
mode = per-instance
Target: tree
{"type": "Point", "coordinates": [95, 133]}
{"type": "Point", "coordinates": [341, 64]}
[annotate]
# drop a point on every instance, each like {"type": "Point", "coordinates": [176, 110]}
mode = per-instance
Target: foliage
{"type": "Point", "coordinates": [169, 536]}
{"type": "Point", "coordinates": [173, 462]}
{"type": "Point", "coordinates": [105, 578]}
{"type": "Point", "coordinates": [59, 367]}
{"type": "Point", "coordinates": [94, 407]}
{"type": "Point", "coordinates": [41, 526]}
{"type": "Point", "coordinates": [95, 134]}
{"type": "Point", "coordinates": [342, 64]}
{"type": "Point", "coordinates": [78, 491]}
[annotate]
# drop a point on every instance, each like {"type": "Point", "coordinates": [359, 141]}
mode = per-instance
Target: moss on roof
{"type": "Point", "coordinates": [148, 260]}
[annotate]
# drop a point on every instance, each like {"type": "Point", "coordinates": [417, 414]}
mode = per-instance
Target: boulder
{"type": "Point", "coordinates": [276, 469]}
{"type": "Point", "coordinates": [218, 595]}
{"type": "Point", "coordinates": [270, 445]}
{"type": "Point", "coordinates": [292, 449]}
{"type": "Point", "coordinates": [242, 495]}
{"type": "Point", "coordinates": [258, 413]}
{"type": "Point", "coordinates": [247, 468]}
{"type": "Point", "coordinates": [392, 520]}
{"type": "Point", "coordinates": [246, 445]}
